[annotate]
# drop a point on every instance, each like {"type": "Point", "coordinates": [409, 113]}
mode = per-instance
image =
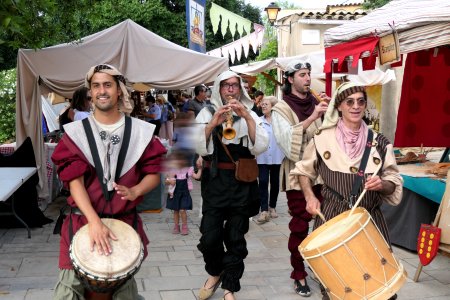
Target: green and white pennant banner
{"type": "Point", "coordinates": [228, 17]}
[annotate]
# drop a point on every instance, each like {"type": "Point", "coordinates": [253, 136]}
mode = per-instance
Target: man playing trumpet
{"type": "Point", "coordinates": [227, 202]}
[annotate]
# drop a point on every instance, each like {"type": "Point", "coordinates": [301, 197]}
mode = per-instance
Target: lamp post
{"type": "Point", "coordinates": [272, 12]}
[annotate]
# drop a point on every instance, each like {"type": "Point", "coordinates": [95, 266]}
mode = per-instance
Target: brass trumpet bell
{"type": "Point", "coordinates": [229, 133]}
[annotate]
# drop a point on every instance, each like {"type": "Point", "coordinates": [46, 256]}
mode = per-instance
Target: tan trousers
{"type": "Point", "coordinates": [69, 287]}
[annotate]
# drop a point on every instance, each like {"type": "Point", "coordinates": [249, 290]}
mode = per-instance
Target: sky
{"type": "Point", "coordinates": [301, 3]}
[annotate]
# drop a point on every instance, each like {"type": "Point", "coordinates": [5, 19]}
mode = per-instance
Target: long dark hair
{"type": "Point", "coordinates": [287, 86]}
{"type": "Point", "coordinates": [79, 99]}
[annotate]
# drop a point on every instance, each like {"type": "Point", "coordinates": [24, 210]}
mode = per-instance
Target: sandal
{"type": "Point", "coordinates": [205, 293]}
{"type": "Point", "coordinates": [302, 290]}
{"type": "Point", "coordinates": [227, 293]}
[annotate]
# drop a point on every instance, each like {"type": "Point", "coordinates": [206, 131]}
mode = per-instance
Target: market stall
{"type": "Point", "coordinates": [421, 28]}
{"type": "Point", "coordinates": [420, 34]}
{"type": "Point", "coordinates": [423, 189]}
{"type": "Point", "coordinates": [141, 55]}
{"type": "Point", "coordinates": [317, 60]}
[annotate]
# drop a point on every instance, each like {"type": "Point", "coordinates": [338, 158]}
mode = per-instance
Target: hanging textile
{"type": "Point", "coordinates": [255, 39]}
{"type": "Point", "coordinates": [228, 17]}
{"type": "Point", "coordinates": [353, 48]}
{"type": "Point", "coordinates": [424, 112]}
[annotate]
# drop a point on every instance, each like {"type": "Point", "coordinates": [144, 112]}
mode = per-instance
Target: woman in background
{"type": "Point", "coordinates": [81, 103]}
{"type": "Point", "coordinates": [269, 163]}
{"type": "Point", "coordinates": [66, 116]}
{"type": "Point", "coordinates": [167, 117]}
{"type": "Point", "coordinates": [153, 113]}
{"type": "Point", "coordinates": [78, 109]}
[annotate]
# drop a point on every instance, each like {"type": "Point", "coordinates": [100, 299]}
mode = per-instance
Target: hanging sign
{"type": "Point", "coordinates": [389, 49]}
{"type": "Point", "coordinates": [195, 22]}
{"type": "Point", "coordinates": [428, 243]}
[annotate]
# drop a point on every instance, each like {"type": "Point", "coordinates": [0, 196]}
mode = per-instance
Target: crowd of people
{"type": "Point", "coordinates": [301, 145]}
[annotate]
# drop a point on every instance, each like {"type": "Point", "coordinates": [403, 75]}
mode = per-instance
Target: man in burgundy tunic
{"type": "Point", "coordinates": [76, 168]}
{"type": "Point", "coordinates": [295, 119]}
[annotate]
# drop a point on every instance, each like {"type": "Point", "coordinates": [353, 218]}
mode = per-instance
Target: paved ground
{"type": "Point", "coordinates": [175, 270]}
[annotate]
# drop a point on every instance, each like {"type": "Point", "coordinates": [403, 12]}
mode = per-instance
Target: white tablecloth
{"type": "Point", "coordinates": [52, 178]}
{"type": "Point", "coordinates": [11, 179]}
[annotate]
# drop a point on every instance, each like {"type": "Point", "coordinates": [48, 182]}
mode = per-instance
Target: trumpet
{"type": "Point", "coordinates": [229, 133]}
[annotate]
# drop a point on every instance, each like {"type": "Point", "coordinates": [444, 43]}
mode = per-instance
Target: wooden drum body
{"type": "Point", "coordinates": [352, 259]}
{"type": "Point", "coordinates": [101, 273]}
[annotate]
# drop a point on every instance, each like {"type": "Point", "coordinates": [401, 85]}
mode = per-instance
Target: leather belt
{"type": "Point", "coordinates": [221, 165]}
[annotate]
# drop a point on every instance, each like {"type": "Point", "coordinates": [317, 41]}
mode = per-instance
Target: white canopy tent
{"type": "Point", "coordinates": [317, 60]}
{"type": "Point", "coordinates": [142, 56]}
{"type": "Point", "coordinates": [51, 112]}
{"type": "Point", "coordinates": [420, 24]}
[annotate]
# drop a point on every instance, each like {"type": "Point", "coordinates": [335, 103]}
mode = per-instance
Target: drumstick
{"type": "Point", "coordinates": [320, 215]}
{"type": "Point", "coordinates": [364, 191]}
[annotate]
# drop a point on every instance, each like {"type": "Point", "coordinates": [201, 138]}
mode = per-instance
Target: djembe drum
{"type": "Point", "coordinates": [351, 258]}
{"type": "Point", "coordinates": [106, 273]}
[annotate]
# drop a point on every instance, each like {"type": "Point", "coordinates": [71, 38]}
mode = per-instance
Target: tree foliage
{"type": "Point", "coordinates": [270, 50]}
{"type": "Point", "coordinates": [247, 11]}
{"type": "Point", "coordinates": [7, 105]}
{"type": "Point", "coordinates": [372, 4]}
{"type": "Point", "coordinates": [35, 24]}
{"type": "Point", "coordinates": [165, 18]}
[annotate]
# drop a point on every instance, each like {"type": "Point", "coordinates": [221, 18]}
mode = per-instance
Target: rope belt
{"type": "Point", "coordinates": [76, 211]}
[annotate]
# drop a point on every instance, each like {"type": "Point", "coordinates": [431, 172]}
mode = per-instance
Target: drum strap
{"type": "Point", "coordinates": [98, 166]}
{"type": "Point", "coordinates": [362, 167]}
{"type": "Point", "coordinates": [94, 151]}
{"type": "Point", "coordinates": [359, 177]}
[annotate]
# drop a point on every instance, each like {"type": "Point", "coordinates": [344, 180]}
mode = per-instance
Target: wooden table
{"type": "Point", "coordinates": [53, 183]}
{"type": "Point", "coordinates": [12, 179]}
{"type": "Point", "coordinates": [422, 193]}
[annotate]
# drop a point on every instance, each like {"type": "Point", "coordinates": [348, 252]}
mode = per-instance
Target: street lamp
{"type": "Point", "coordinates": [272, 12]}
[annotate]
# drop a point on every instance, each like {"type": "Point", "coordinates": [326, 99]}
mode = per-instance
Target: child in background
{"type": "Point", "coordinates": [180, 172]}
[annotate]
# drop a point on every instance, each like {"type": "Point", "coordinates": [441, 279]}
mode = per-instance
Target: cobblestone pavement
{"type": "Point", "coordinates": [175, 269]}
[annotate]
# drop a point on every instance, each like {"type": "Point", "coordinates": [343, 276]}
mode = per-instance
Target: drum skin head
{"type": "Point", "coordinates": [126, 251]}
